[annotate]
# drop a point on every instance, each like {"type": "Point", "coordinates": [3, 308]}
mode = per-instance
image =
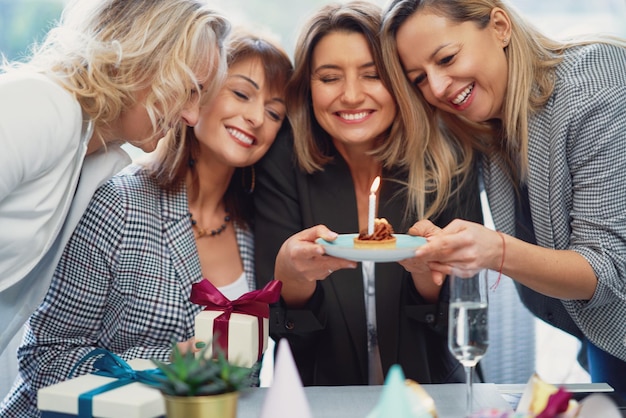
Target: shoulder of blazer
{"type": "Point", "coordinates": [136, 187]}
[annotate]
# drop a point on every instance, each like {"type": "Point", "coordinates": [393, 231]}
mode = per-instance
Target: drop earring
{"type": "Point", "coordinates": [248, 189]}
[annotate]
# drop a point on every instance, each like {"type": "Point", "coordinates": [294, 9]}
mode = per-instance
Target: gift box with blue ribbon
{"type": "Point", "coordinates": [116, 389]}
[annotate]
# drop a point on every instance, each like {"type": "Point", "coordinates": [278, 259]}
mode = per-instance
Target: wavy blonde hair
{"type": "Point", "coordinates": [449, 141]}
{"type": "Point", "coordinates": [104, 51]}
{"type": "Point", "coordinates": [311, 142]}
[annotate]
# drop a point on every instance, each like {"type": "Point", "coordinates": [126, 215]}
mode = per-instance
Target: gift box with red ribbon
{"type": "Point", "coordinates": [239, 327]}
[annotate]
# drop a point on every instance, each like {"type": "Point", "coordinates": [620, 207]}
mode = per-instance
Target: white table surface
{"type": "Point", "coordinates": [358, 401]}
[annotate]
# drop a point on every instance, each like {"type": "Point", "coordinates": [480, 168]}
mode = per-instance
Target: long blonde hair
{"type": "Point", "coordinates": [532, 59]}
{"type": "Point", "coordinates": [104, 51]}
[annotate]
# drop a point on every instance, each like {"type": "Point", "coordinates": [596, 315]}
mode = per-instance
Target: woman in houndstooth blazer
{"type": "Point", "coordinates": [125, 277]}
{"type": "Point", "coordinates": [549, 118]}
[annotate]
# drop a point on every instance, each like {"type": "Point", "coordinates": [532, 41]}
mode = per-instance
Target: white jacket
{"type": "Point", "coordinates": [43, 142]}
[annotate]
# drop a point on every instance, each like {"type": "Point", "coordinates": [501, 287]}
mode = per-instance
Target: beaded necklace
{"type": "Point", "coordinates": [202, 232]}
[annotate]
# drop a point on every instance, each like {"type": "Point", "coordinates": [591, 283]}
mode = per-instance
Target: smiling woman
{"type": "Point", "coordinates": [542, 115]}
{"type": "Point", "coordinates": [337, 85]}
{"type": "Point", "coordinates": [439, 52]}
{"type": "Point", "coordinates": [345, 134]}
{"type": "Point", "coordinates": [158, 212]}
{"type": "Point", "coordinates": [22, 21]}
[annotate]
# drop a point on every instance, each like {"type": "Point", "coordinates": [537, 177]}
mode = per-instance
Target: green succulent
{"type": "Point", "coordinates": [191, 375]}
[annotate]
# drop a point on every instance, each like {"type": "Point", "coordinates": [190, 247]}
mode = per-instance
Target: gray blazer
{"type": "Point", "coordinates": [577, 189]}
{"type": "Point", "coordinates": [122, 284]}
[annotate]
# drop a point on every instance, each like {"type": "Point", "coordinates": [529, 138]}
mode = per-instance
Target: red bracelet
{"type": "Point", "coordinates": [495, 285]}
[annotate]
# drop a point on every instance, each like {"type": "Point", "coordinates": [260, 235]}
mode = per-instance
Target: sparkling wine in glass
{"type": "Point", "coordinates": [468, 334]}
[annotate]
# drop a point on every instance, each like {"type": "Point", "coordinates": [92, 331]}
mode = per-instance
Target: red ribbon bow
{"type": "Point", "coordinates": [255, 303]}
{"type": "Point", "coordinates": [557, 402]}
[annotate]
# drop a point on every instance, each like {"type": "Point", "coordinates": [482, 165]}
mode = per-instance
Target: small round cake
{"type": "Point", "coordinates": [381, 238]}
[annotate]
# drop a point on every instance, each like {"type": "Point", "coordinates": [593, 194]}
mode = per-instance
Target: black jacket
{"type": "Point", "coordinates": [328, 336]}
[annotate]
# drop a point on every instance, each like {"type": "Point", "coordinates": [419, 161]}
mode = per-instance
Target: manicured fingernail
{"type": "Point", "coordinates": [332, 235]}
{"type": "Point", "coordinates": [200, 344]}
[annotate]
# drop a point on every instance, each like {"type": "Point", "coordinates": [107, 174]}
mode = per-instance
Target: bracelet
{"type": "Point", "coordinates": [495, 285]}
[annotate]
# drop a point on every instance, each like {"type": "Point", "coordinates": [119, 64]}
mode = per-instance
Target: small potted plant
{"type": "Point", "coordinates": [197, 386]}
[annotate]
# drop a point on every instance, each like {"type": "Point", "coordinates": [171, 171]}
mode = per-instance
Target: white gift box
{"type": "Point", "coordinates": [134, 400]}
{"type": "Point", "coordinates": [243, 336]}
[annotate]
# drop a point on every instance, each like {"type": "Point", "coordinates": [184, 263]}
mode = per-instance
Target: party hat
{"type": "Point", "coordinates": [285, 398]}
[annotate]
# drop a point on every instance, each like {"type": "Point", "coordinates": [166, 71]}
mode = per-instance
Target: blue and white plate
{"type": "Point", "coordinates": [343, 247]}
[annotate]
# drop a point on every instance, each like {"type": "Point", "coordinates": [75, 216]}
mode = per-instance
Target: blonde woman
{"type": "Point", "coordinates": [550, 120]}
{"type": "Point", "coordinates": [112, 71]}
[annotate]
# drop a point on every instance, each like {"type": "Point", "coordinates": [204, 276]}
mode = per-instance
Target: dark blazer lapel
{"type": "Point", "coordinates": [333, 203]}
{"type": "Point", "coordinates": [179, 236]}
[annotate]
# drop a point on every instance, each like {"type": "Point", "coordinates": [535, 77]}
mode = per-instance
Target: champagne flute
{"type": "Point", "coordinates": [468, 335]}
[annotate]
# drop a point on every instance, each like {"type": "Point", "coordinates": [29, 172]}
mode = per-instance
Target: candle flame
{"type": "Point", "coordinates": [375, 185]}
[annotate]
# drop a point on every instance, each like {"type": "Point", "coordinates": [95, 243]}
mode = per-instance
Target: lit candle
{"type": "Point", "coordinates": [372, 206]}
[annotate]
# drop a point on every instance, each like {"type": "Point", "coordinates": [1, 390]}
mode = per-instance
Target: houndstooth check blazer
{"type": "Point", "coordinates": [577, 187]}
{"type": "Point", "coordinates": [123, 284]}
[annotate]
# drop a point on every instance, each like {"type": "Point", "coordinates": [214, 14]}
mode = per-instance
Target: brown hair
{"type": "Point", "coordinates": [311, 142]}
{"type": "Point", "coordinates": [175, 153]}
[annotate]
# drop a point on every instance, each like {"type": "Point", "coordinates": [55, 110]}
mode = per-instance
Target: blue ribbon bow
{"type": "Point", "coordinates": [110, 365]}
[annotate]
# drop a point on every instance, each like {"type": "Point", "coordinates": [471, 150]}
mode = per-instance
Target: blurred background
{"type": "Point", "coordinates": [25, 21]}
{"type": "Point", "coordinates": [520, 344]}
